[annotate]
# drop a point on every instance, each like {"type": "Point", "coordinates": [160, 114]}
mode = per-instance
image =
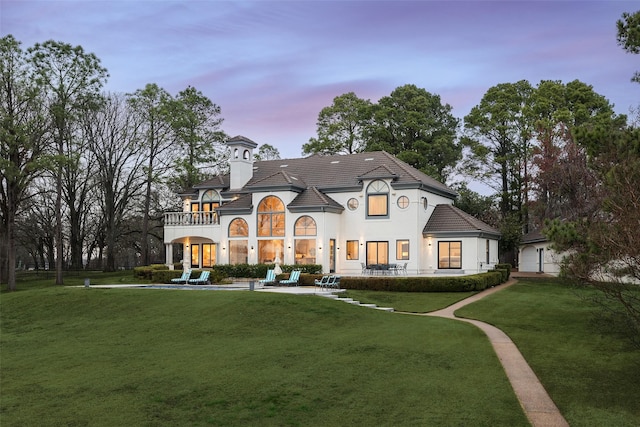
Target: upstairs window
{"type": "Point", "coordinates": [378, 200]}
{"type": "Point", "coordinates": [271, 217]}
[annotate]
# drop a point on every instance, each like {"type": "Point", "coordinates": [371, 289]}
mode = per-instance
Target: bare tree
{"type": "Point", "coordinates": [152, 105]}
{"type": "Point", "coordinates": [112, 135]}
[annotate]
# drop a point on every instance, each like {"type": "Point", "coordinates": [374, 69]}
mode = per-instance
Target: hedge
{"type": "Point", "coordinates": [475, 282]}
{"type": "Point", "coordinates": [146, 272]}
{"type": "Point", "coordinates": [505, 266]}
{"type": "Point", "coordinates": [260, 270]}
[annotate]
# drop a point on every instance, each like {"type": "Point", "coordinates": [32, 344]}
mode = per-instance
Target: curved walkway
{"type": "Point", "coordinates": [534, 399]}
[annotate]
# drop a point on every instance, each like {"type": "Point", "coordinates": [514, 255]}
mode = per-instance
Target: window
{"type": "Point", "coordinates": [353, 249]}
{"type": "Point", "coordinates": [269, 250]}
{"type": "Point", "coordinates": [449, 254]}
{"type": "Point", "coordinates": [238, 247]}
{"type": "Point", "coordinates": [246, 155]}
{"type": "Point", "coordinates": [195, 256]}
{"type": "Point", "coordinates": [305, 226]}
{"type": "Point", "coordinates": [352, 204]}
{"type": "Point", "coordinates": [210, 201]}
{"type": "Point", "coordinates": [238, 251]}
{"type": "Point", "coordinates": [377, 253]}
{"type": "Point", "coordinates": [378, 200]}
{"type": "Point", "coordinates": [208, 255]}
{"type": "Point", "coordinates": [403, 202]}
{"type": "Point", "coordinates": [238, 228]}
{"type": "Point", "coordinates": [305, 251]}
{"type": "Point", "coordinates": [425, 203]}
{"type": "Point", "coordinates": [271, 217]}
{"type": "Point", "coordinates": [487, 252]}
{"type": "Point", "coordinates": [402, 249]}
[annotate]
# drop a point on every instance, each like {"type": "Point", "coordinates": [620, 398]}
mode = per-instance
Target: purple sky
{"type": "Point", "coordinates": [272, 66]}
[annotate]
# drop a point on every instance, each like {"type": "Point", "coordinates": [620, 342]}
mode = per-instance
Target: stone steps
{"type": "Point", "coordinates": [352, 301]}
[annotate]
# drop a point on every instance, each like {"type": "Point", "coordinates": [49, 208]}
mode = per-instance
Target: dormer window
{"type": "Point", "coordinates": [378, 200]}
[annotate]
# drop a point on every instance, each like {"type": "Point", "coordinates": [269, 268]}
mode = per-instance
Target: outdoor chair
{"type": "Point", "coordinates": [404, 268]}
{"type": "Point", "coordinates": [365, 268]}
{"type": "Point", "coordinates": [335, 283]}
{"type": "Point", "coordinates": [322, 282]}
{"type": "Point", "coordinates": [293, 279]}
{"type": "Point", "coordinates": [271, 277]}
{"type": "Point", "coordinates": [186, 275]}
{"type": "Point", "coordinates": [328, 283]}
{"type": "Point", "coordinates": [202, 280]}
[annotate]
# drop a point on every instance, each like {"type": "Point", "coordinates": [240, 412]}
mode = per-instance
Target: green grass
{"type": "Point", "coordinates": [26, 280]}
{"type": "Point", "coordinates": [75, 356]}
{"type": "Point", "coordinates": [591, 372]}
{"type": "Point", "coordinates": [412, 302]}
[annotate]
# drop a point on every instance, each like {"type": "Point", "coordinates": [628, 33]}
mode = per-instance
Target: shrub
{"type": "Point", "coordinates": [165, 276]}
{"type": "Point", "coordinates": [144, 272]}
{"type": "Point", "coordinates": [505, 266]}
{"type": "Point", "coordinates": [260, 270]}
{"type": "Point", "coordinates": [475, 282]}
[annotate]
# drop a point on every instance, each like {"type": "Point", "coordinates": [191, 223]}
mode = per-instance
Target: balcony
{"type": "Point", "coordinates": [190, 218]}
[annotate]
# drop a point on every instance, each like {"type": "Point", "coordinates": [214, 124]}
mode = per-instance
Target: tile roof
{"type": "Point", "coordinates": [448, 219]}
{"type": "Point", "coordinates": [314, 200]}
{"type": "Point", "coordinates": [534, 236]}
{"type": "Point", "coordinates": [218, 181]}
{"type": "Point", "coordinates": [343, 172]}
{"type": "Point", "coordinates": [280, 180]}
{"type": "Point", "coordinates": [241, 205]}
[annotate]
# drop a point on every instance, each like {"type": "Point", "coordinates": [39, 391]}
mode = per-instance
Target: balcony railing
{"type": "Point", "coordinates": [191, 218]}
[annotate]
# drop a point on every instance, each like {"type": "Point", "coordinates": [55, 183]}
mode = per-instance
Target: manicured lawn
{"type": "Point", "coordinates": [75, 356]}
{"type": "Point", "coordinates": [589, 370]}
{"type": "Point", "coordinates": [413, 302]}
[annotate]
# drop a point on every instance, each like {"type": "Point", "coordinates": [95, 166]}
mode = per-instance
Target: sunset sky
{"type": "Point", "coordinates": [273, 65]}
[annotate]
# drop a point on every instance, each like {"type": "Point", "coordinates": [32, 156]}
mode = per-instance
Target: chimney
{"type": "Point", "coordinates": [241, 161]}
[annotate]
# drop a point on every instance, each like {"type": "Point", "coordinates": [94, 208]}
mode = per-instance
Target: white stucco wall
{"type": "Point", "coordinates": [529, 259]}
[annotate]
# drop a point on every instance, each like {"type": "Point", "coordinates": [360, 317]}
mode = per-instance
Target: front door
{"type": "Point", "coordinates": [541, 260]}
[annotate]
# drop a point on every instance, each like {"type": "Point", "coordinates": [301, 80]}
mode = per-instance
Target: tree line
{"type": "Point", "coordinates": [86, 175]}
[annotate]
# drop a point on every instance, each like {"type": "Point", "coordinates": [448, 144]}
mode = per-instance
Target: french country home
{"type": "Point", "coordinates": [350, 214]}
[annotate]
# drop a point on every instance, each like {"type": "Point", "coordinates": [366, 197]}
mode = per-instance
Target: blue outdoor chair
{"type": "Point", "coordinates": [202, 280]}
{"type": "Point", "coordinates": [293, 279]}
{"type": "Point", "coordinates": [186, 275]}
{"type": "Point", "coordinates": [271, 277]}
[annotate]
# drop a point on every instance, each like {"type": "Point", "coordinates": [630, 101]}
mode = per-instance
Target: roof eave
{"type": "Point", "coordinates": [302, 209]}
{"type": "Point", "coordinates": [483, 234]}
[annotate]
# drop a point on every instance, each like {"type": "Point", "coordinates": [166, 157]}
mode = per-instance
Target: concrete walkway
{"type": "Point", "coordinates": [534, 399]}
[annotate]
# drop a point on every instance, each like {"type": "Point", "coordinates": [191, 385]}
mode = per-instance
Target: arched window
{"type": "Point", "coordinates": [238, 228]}
{"type": "Point", "coordinates": [378, 200]}
{"type": "Point", "coordinates": [235, 153]}
{"type": "Point", "coordinates": [305, 226]}
{"type": "Point", "coordinates": [270, 224]}
{"type": "Point", "coordinates": [210, 201]}
{"type": "Point", "coordinates": [246, 154]}
{"type": "Point", "coordinates": [238, 243]}
{"type": "Point", "coordinates": [305, 249]}
{"type": "Point", "coordinates": [270, 217]}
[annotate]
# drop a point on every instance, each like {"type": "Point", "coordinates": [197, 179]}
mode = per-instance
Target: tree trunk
{"type": "Point", "coordinates": [11, 250]}
{"type": "Point", "coordinates": [59, 242]}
